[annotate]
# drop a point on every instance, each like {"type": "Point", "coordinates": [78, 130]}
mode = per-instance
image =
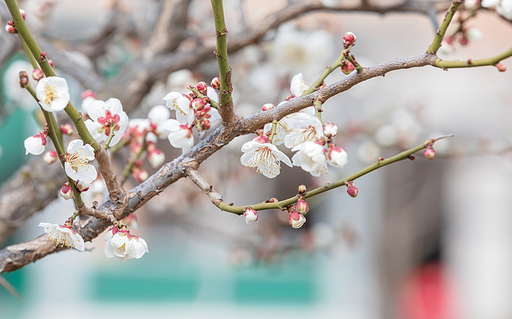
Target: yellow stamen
{"type": "Point", "coordinates": [50, 93]}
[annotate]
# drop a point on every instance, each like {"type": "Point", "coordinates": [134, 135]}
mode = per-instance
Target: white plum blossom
{"type": "Point", "coordinates": [106, 117]}
{"type": "Point", "coordinates": [311, 158]}
{"type": "Point", "coordinates": [282, 129]}
{"type": "Point", "coordinates": [123, 245]}
{"type": "Point", "coordinates": [297, 85]}
{"type": "Point", "coordinates": [337, 156]}
{"type": "Point", "coordinates": [180, 135]}
{"type": "Point", "coordinates": [491, 4]}
{"type": "Point", "coordinates": [157, 116]}
{"type": "Point", "coordinates": [304, 127]}
{"type": "Point", "coordinates": [64, 235]}
{"type": "Point", "coordinates": [35, 144]}
{"type": "Point", "coordinates": [181, 104]}
{"type": "Point", "coordinates": [52, 93]}
{"type": "Point", "coordinates": [265, 157]}
{"type": "Point", "coordinates": [77, 165]}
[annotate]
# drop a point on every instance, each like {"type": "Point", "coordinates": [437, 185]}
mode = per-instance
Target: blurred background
{"type": "Point", "coordinates": [423, 239]}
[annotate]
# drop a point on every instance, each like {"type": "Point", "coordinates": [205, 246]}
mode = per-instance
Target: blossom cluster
{"type": "Point", "coordinates": [302, 133]}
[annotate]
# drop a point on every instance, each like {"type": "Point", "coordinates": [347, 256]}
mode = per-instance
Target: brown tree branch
{"type": "Point", "coordinates": [16, 256]}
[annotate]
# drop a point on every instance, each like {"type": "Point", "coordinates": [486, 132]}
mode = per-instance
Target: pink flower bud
{"type": "Point", "coordinates": [202, 88]}
{"type": "Point", "coordinates": [302, 207]}
{"type": "Point", "coordinates": [261, 139]}
{"type": "Point", "coordinates": [141, 175]}
{"type": "Point", "coordinates": [501, 67]}
{"type": "Point", "coordinates": [352, 191]}
{"type": "Point", "coordinates": [10, 29]}
{"type": "Point", "coordinates": [250, 215]}
{"type": "Point", "coordinates": [330, 129]}
{"type": "Point", "coordinates": [198, 103]}
{"type": "Point", "coordinates": [347, 67]}
{"type": "Point", "coordinates": [337, 156]}
{"type": "Point", "coordinates": [66, 129]}
{"type": "Point", "coordinates": [23, 14]}
{"type": "Point", "coordinates": [349, 39]}
{"type": "Point", "coordinates": [37, 74]}
{"type": "Point", "coordinates": [429, 153]}
{"type": "Point", "coordinates": [50, 62]}
{"type": "Point", "coordinates": [268, 106]}
{"type": "Point", "coordinates": [215, 83]}
{"type": "Point", "coordinates": [50, 157]}
{"type": "Point", "coordinates": [156, 158]}
{"type": "Point", "coordinates": [88, 93]}
{"type": "Point", "coordinates": [463, 40]}
{"type": "Point", "coordinates": [43, 54]}
{"type": "Point", "coordinates": [302, 189]}
{"type": "Point", "coordinates": [66, 191]}
{"type": "Point", "coordinates": [296, 219]}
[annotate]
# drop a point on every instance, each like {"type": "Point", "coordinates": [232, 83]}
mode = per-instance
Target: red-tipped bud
{"type": "Point", "coordinates": [202, 88]}
{"type": "Point", "coordinates": [429, 153]}
{"type": "Point", "coordinates": [141, 175]}
{"type": "Point", "coordinates": [349, 39]}
{"type": "Point", "coordinates": [66, 129]}
{"type": "Point", "coordinates": [463, 40]}
{"type": "Point", "coordinates": [215, 83]}
{"type": "Point", "coordinates": [347, 67]}
{"type": "Point", "coordinates": [250, 215]}
{"type": "Point", "coordinates": [156, 158]}
{"type": "Point", "coordinates": [330, 129]}
{"type": "Point", "coordinates": [302, 189]}
{"type": "Point", "coordinates": [138, 163]}
{"type": "Point", "coordinates": [88, 93]}
{"type": "Point", "coordinates": [50, 157]}
{"type": "Point", "coordinates": [66, 191]}
{"type": "Point", "coordinates": [23, 14]}
{"type": "Point", "coordinates": [501, 67]}
{"type": "Point", "coordinates": [268, 106]}
{"type": "Point", "coordinates": [296, 219]}
{"type": "Point", "coordinates": [43, 54]}
{"type": "Point", "coordinates": [261, 139]}
{"type": "Point", "coordinates": [352, 191]}
{"type": "Point", "coordinates": [198, 103]}
{"type": "Point", "coordinates": [37, 74]}
{"type": "Point", "coordinates": [302, 207]}
{"type": "Point", "coordinates": [10, 28]}
{"type": "Point", "coordinates": [50, 62]}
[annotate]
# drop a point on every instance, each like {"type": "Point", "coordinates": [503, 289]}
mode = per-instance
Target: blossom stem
{"type": "Point", "coordinates": [110, 137]}
{"type": "Point", "coordinates": [53, 129]}
{"type": "Point", "coordinates": [436, 43]}
{"type": "Point", "coordinates": [33, 61]}
{"type": "Point", "coordinates": [128, 168]}
{"type": "Point", "coordinates": [274, 129]}
{"type": "Point", "coordinates": [221, 51]}
{"type": "Point", "coordinates": [279, 205]}
{"type": "Point", "coordinates": [119, 145]}
{"type": "Point", "coordinates": [56, 137]}
{"type": "Point", "coordinates": [328, 70]}
{"type": "Point", "coordinates": [474, 63]}
{"type": "Point", "coordinates": [36, 51]}
{"type": "Point", "coordinates": [202, 96]}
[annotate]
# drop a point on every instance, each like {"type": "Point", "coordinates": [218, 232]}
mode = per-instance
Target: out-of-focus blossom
{"type": "Point", "coordinates": [157, 116]}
